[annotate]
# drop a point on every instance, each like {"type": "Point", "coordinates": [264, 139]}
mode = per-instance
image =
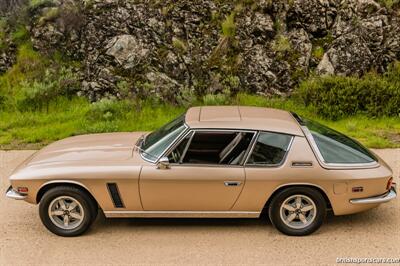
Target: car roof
{"type": "Point", "coordinates": [242, 117]}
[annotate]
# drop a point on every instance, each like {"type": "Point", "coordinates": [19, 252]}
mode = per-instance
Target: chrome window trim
{"type": "Point", "coordinates": [324, 164]}
{"type": "Point", "coordinates": [270, 165]}
{"type": "Point", "coordinates": [177, 142]}
{"type": "Point", "coordinates": [172, 143]}
{"type": "Point", "coordinates": [250, 148]}
{"type": "Point", "coordinates": [187, 145]}
{"type": "Point", "coordinates": [194, 130]}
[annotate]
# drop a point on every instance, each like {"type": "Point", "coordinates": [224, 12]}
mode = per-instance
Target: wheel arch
{"type": "Point", "coordinates": [55, 183]}
{"type": "Point", "coordinates": [285, 186]}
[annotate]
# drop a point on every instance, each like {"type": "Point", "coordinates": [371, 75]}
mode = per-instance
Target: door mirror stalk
{"type": "Point", "coordinates": [163, 163]}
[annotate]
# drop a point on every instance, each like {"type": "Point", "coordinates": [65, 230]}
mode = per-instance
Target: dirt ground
{"type": "Point", "coordinates": [23, 239]}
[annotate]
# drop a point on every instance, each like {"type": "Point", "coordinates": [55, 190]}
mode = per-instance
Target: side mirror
{"type": "Point", "coordinates": [163, 163]}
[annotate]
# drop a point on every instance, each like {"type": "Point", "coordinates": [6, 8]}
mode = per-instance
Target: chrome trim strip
{"type": "Point", "coordinates": [206, 165]}
{"type": "Point", "coordinates": [253, 143]}
{"type": "Point", "coordinates": [12, 194]}
{"type": "Point", "coordinates": [388, 196]}
{"type": "Point", "coordinates": [186, 147]}
{"type": "Point", "coordinates": [172, 143]}
{"type": "Point", "coordinates": [177, 141]}
{"type": "Point", "coordinates": [183, 133]}
{"type": "Point", "coordinates": [326, 165]}
{"type": "Point", "coordinates": [182, 214]}
{"type": "Point", "coordinates": [225, 129]}
{"type": "Point", "coordinates": [64, 181]}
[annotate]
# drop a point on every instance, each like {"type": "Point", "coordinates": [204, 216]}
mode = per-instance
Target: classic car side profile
{"type": "Point", "coordinates": [221, 161]}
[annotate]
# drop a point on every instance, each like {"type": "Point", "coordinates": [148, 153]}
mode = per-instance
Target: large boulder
{"type": "Point", "coordinates": [315, 16]}
{"type": "Point", "coordinates": [127, 51]}
{"type": "Point", "coordinates": [160, 86]}
{"type": "Point", "coordinates": [348, 55]}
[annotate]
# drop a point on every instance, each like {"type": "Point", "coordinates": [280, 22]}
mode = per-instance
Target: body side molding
{"type": "Point", "coordinates": [183, 214]}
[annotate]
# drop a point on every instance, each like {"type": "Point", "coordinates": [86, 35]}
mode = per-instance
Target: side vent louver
{"type": "Point", "coordinates": [115, 196]}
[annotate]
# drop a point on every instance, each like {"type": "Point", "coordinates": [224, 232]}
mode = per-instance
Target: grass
{"type": "Point", "coordinates": [68, 117]}
{"type": "Point", "coordinates": [282, 44]}
{"type": "Point", "coordinates": [318, 52]}
{"type": "Point", "coordinates": [228, 26]}
{"type": "Point", "coordinates": [179, 45]}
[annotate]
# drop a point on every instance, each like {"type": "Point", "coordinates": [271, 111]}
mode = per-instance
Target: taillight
{"type": "Point", "coordinates": [389, 183]}
{"type": "Point", "coordinates": [22, 190]}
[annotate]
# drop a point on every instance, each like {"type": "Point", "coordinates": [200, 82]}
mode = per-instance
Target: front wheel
{"type": "Point", "coordinates": [297, 211]}
{"type": "Point", "coordinates": [67, 211]}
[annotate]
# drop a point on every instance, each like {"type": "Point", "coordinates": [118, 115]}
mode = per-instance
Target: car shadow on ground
{"type": "Point", "coordinates": [181, 222]}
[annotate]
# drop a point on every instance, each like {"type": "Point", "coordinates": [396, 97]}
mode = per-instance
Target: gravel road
{"type": "Point", "coordinates": [23, 239]}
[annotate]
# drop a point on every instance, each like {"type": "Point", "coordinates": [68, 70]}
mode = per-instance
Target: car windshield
{"type": "Point", "coordinates": [157, 141]}
{"type": "Point", "coordinates": [335, 147]}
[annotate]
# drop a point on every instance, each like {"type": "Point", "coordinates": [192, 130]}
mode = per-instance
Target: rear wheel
{"type": "Point", "coordinates": [297, 211]}
{"type": "Point", "coordinates": [67, 211]}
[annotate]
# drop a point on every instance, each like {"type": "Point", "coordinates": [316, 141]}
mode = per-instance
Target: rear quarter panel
{"type": "Point", "coordinates": [262, 182]}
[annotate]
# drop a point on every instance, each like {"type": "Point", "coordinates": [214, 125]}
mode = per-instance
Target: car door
{"type": "Point", "coordinates": [265, 169]}
{"type": "Point", "coordinates": [205, 174]}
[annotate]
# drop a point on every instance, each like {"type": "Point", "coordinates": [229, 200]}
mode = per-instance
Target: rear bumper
{"type": "Point", "coordinates": [12, 194]}
{"type": "Point", "coordinates": [388, 196]}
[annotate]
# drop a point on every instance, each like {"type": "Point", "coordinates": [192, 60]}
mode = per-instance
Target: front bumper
{"type": "Point", "coordinates": [388, 196]}
{"type": "Point", "coordinates": [12, 194]}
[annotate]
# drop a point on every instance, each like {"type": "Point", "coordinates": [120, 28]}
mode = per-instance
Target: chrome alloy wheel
{"type": "Point", "coordinates": [298, 211]}
{"type": "Point", "coordinates": [66, 212]}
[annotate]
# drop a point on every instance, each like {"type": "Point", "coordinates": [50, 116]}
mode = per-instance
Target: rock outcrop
{"type": "Point", "coordinates": [170, 48]}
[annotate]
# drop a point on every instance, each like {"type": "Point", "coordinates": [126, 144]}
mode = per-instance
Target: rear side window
{"type": "Point", "coordinates": [270, 149]}
{"type": "Point", "coordinates": [337, 148]}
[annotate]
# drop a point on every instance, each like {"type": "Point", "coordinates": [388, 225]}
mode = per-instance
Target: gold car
{"type": "Point", "coordinates": [226, 161]}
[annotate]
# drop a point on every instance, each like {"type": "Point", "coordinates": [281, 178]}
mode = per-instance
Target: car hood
{"type": "Point", "coordinates": [93, 147]}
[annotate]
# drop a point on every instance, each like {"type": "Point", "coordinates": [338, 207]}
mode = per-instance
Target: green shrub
{"type": "Point", "coordinates": [216, 99]}
{"type": "Point", "coordinates": [39, 93]}
{"type": "Point", "coordinates": [36, 95]}
{"type": "Point", "coordinates": [20, 35]}
{"type": "Point", "coordinates": [107, 110]}
{"type": "Point", "coordinates": [335, 97]}
{"type": "Point", "coordinates": [29, 66]}
{"type": "Point", "coordinates": [187, 97]}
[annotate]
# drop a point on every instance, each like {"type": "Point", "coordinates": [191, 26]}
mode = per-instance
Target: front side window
{"type": "Point", "coordinates": [212, 147]}
{"type": "Point", "coordinates": [336, 148]}
{"type": "Point", "coordinates": [270, 149]}
{"type": "Point", "coordinates": [179, 151]}
{"type": "Point", "coordinates": [156, 142]}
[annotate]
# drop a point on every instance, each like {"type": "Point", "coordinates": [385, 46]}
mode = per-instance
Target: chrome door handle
{"type": "Point", "coordinates": [232, 183]}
